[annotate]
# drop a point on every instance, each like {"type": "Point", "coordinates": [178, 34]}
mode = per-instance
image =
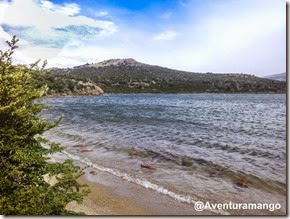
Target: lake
{"type": "Point", "coordinates": [209, 147]}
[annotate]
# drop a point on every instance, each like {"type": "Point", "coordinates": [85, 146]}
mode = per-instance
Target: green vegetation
{"type": "Point", "coordinates": [24, 153]}
{"type": "Point", "coordinates": [130, 76]}
{"type": "Point", "coordinates": [63, 85]}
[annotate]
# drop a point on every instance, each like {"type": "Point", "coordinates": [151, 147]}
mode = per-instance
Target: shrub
{"type": "Point", "coordinates": [23, 157]}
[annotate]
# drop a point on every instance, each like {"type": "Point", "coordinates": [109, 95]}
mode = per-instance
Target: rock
{"type": "Point", "coordinates": [93, 172]}
{"type": "Point", "coordinates": [242, 182]}
{"type": "Point", "coordinates": [90, 88]}
{"type": "Point", "coordinates": [86, 150]}
{"type": "Point", "coordinates": [147, 166]}
{"type": "Point", "coordinates": [185, 161]}
{"type": "Point", "coordinates": [133, 153]}
{"type": "Point", "coordinates": [117, 62]}
{"type": "Point", "coordinates": [51, 180]}
{"type": "Point", "coordinates": [212, 174]}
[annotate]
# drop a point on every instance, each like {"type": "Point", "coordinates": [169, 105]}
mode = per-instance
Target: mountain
{"type": "Point", "coordinates": [130, 76]}
{"type": "Point", "coordinates": [278, 77]}
{"type": "Point", "coordinates": [115, 62]}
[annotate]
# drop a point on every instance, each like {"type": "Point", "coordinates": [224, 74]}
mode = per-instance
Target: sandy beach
{"type": "Point", "coordinates": [112, 196]}
{"type": "Point", "coordinates": [101, 201]}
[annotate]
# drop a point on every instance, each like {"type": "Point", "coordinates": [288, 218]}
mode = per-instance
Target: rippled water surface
{"type": "Point", "coordinates": [200, 144]}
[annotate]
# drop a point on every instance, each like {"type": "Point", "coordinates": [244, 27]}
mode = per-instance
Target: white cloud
{"type": "Point", "coordinates": [67, 9]}
{"type": "Point", "coordinates": [221, 36]}
{"type": "Point", "coordinates": [101, 13]}
{"type": "Point", "coordinates": [240, 36]}
{"type": "Point", "coordinates": [231, 36]}
{"type": "Point", "coordinates": [27, 13]}
{"type": "Point", "coordinates": [45, 29]}
{"type": "Point", "coordinates": [166, 35]}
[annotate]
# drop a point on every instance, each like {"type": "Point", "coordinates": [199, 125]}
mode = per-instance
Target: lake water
{"type": "Point", "coordinates": [201, 145]}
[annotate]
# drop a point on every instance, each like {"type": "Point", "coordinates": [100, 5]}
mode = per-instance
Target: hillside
{"type": "Point", "coordinates": [278, 77]}
{"type": "Point", "coordinates": [63, 86]}
{"type": "Point", "coordinates": [130, 76]}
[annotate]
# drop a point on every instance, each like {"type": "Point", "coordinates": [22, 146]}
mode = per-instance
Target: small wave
{"type": "Point", "coordinates": [144, 183]}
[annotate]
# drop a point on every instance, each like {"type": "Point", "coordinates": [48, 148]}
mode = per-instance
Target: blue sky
{"type": "Point", "coordinates": [246, 36]}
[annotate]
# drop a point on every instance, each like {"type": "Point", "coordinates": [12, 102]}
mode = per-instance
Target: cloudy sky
{"type": "Point", "coordinates": [246, 36]}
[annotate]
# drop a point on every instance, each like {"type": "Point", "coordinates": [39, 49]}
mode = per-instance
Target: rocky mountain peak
{"type": "Point", "coordinates": [117, 62]}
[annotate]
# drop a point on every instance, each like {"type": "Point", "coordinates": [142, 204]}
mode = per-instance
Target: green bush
{"type": "Point", "coordinates": [23, 159]}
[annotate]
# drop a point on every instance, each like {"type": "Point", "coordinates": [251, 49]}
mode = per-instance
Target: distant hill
{"type": "Point", "coordinates": [130, 76]}
{"type": "Point", "coordinates": [278, 77]}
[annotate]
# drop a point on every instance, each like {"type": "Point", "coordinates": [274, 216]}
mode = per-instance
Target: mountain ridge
{"type": "Point", "coordinates": [113, 62]}
{"type": "Point", "coordinates": [278, 77]}
{"type": "Point", "coordinates": [131, 76]}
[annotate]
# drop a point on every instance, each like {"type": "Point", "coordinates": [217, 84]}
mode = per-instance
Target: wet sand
{"type": "Point", "coordinates": [101, 201]}
{"type": "Point", "coordinates": [111, 195]}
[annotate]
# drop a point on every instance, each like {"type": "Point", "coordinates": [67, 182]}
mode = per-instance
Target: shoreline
{"type": "Point", "coordinates": [106, 94]}
{"type": "Point", "coordinates": [109, 198]}
{"type": "Point", "coordinates": [101, 201]}
{"type": "Point", "coordinates": [111, 195]}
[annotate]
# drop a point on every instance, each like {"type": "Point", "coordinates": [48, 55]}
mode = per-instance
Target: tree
{"type": "Point", "coordinates": [24, 153]}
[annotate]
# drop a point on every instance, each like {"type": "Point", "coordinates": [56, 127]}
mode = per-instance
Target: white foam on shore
{"type": "Point", "coordinates": [144, 183]}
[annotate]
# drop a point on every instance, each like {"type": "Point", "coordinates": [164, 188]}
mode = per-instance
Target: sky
{"type": "Point", "coordinates": [222, 36]}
